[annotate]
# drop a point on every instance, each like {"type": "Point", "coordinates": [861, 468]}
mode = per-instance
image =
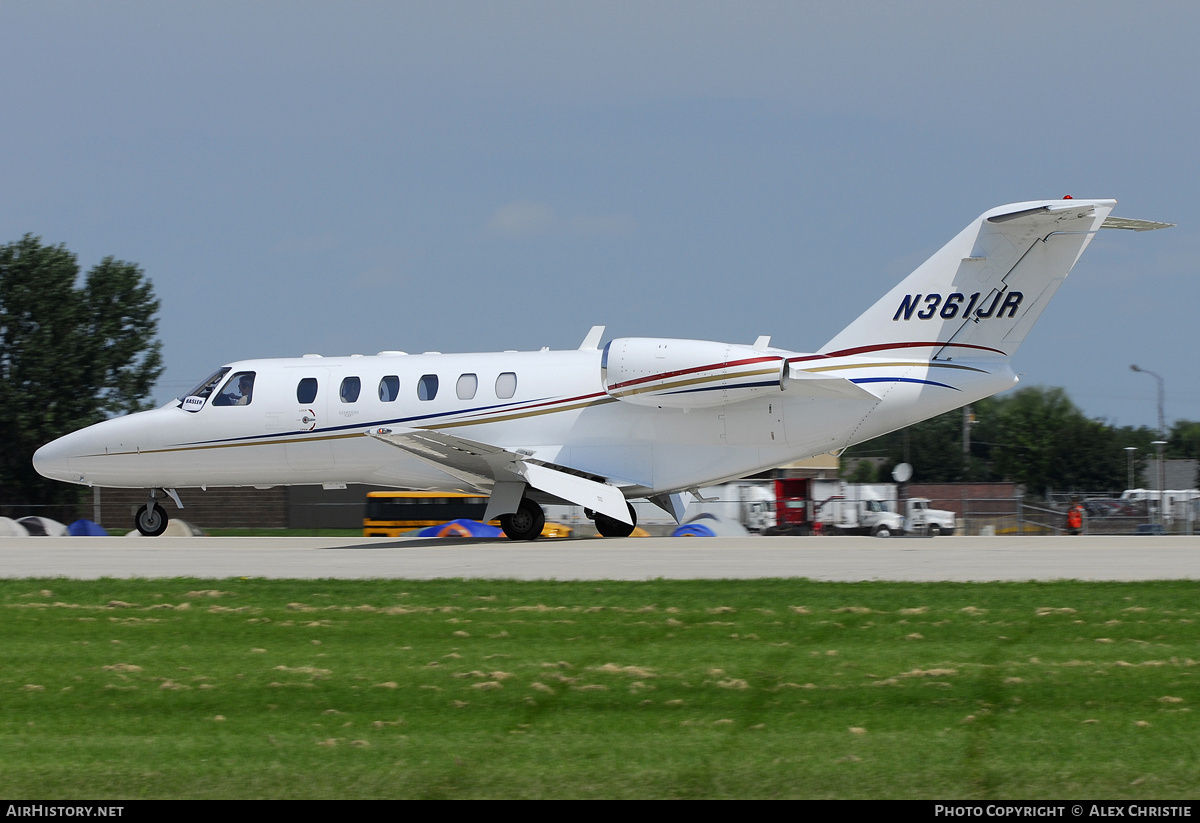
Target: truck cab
{"type": "Point", "coordinates": [921, 519]}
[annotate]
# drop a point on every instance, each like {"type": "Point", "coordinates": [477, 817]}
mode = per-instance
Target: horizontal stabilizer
{"type": "Point", "coordinates": [1133, 225]}
{"type": "Point", "coordinates": [800, 382]}
{"type": "Point", "coordinates": [483, 466]}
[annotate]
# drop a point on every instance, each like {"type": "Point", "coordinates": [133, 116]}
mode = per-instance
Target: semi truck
{"type": "Point", "coordinates": [805, 506]}
{"type": "Point", "coordinates": [799, 505]}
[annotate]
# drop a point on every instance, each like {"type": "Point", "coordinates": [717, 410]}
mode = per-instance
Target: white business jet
{"type": "Point", "coordinates": [636, 418]}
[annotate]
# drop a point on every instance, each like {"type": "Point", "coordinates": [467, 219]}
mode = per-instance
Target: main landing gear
{"type": "Point", "coordinates": [525, 523]}
{"type": "Point", "coordinates": [611, 526]}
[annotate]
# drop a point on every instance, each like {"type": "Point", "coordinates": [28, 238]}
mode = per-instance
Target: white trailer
{"type": "Point", "coordinates": [748, 502]}
{"type": "Point", "coordinates": [1175, 502]}
{"type": "Point", "coordinates": [874, 509]}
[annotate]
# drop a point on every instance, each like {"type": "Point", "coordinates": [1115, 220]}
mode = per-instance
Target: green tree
{"type": "Point", "coordinates": [864, 472]}
{"type": "Point", "coordinates": [1035, 436]}
{"type": "Point", "coordinates": [1184, 442]}
{"type": "Point", "coordinates": [71, 354]}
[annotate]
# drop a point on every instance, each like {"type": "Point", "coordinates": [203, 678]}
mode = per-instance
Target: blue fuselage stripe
{"type": "Point", "coordinates": [902, 380]}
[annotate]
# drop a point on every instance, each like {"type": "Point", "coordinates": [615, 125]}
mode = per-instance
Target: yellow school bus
{"type": "Point", "coordinates": [390, 514]}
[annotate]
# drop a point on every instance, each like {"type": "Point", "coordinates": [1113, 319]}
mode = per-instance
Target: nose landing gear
{"type": "Point", "coordinates": [151, 519]}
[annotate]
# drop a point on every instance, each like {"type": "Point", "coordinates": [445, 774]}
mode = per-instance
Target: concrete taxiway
{"type": "Point", "coordinates": [818, 558]}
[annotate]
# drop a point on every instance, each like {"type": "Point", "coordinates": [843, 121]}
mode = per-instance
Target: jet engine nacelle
{"type": "Point", "coordinates": [688, 374]}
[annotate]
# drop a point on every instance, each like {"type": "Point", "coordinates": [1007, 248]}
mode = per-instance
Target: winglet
{"type": "Point", "coordinates": [592, 341]}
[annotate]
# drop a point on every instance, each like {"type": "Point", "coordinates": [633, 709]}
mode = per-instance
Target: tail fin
{"type": "Point", "coordinates": [979, 295]}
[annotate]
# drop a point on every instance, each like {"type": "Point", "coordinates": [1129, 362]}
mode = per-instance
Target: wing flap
{"type": "Point", "coordinates": [485, 467]}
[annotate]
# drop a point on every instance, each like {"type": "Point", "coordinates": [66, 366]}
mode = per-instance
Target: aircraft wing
{"type": "Point", "coordinates": [506, 472]}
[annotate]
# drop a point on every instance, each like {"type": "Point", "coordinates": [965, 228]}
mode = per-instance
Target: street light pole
{"type": "Point", "coordinates": [1129, 450]}
{"type": "Point", "coordinates": [1162, 426]}
{"type": "Point", "coordinates": [1161, 441]}
{"type": "Point", "coordinates": [1161, 481]}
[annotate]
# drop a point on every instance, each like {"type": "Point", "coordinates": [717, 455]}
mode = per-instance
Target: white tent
{"type": "Point", "coordinates": [11, 528]}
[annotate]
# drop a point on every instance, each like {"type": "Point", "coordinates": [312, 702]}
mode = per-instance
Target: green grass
{"type": "Point", "coordinates": [771, 688]}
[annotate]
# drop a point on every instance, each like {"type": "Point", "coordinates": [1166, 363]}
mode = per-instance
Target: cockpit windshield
{"type": "Point", "coordinates": [203, 389]}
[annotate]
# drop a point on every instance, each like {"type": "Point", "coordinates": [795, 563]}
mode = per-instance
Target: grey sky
{"type": "Point", "coordinates": [351, 177]}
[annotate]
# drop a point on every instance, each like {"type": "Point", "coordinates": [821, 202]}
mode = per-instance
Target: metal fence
{"type": "Point", "coordinates": [1107, 513]}
{"type": "Point", "coordinates": [62, 512]}
{"type": "Point", "coordinates": [983, 515]}
{"type": "Point", "coordinates": [1029, 516]}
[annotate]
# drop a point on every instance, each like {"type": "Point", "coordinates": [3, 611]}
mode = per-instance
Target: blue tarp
{"type": "Point", "coordinates": [86, 528]}
{"type": "Point", "coordinates": [461, 528]}
{"type": "Point", "coordinates": [693, 530]}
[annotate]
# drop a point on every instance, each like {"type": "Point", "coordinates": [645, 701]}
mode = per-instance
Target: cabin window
{"type": "Point", "coordinates": [351, 386]}
{"type": "Point", "coordinates": [427, 387]}
{"type": "Point", "coordinates": [467, 385]}
{"type": "Point", "coordinates": [238, 390]}
{"type": "Point", "coordinates": [306, 390]}
{"type": "Point", "coordinates": [389, 388]}
{"type": "Point", "coordinates": [506, 385]}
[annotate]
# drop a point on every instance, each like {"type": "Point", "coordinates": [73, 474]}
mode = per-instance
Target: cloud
{"type": "Point", "coordinates": [523, 219]}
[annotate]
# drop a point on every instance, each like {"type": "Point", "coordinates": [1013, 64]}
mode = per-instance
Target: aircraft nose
{"type": "Point", "coordinates": [51, 461]}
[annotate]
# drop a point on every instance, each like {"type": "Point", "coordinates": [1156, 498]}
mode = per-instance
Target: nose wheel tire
{"type": "Point", "coordinates": [525, 523]}
{"type": "Point", "coordinates": [151, 520]}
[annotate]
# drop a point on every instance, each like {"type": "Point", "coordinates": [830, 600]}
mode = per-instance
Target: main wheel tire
{"type": "Point", "coordinates": [883, 531]}
{"type": "Point", "coordinates": [612, 527]}
{"type": "Point", "coordinates": [525, 523]}
{"type": "Point", "coordinates": [151, 520]}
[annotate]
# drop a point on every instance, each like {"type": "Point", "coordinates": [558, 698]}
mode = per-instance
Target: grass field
{"type": "Point", "coordinates": [724, 689]}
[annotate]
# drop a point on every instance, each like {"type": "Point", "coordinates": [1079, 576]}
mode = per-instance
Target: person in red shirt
{"type": "Point", "coordinates": [1075, 518]}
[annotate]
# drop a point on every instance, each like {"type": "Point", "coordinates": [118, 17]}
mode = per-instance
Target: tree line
{"type": "Point", "coordinates": [73, 351]}
{"type": "Point", "coordinates": [1034, 436]}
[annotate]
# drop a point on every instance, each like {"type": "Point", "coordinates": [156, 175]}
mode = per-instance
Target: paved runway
{"type": "Point", "coordinates": [818, 558]}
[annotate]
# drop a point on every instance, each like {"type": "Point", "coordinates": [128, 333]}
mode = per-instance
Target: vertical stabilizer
{"type": "Point", "coordinates": [979, 295]}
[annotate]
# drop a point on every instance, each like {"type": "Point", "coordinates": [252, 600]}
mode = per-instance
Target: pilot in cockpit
{"type": "Point", "coordinates": [241, 397]}
{"type": "Point", "coordinates": [246, 388]}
